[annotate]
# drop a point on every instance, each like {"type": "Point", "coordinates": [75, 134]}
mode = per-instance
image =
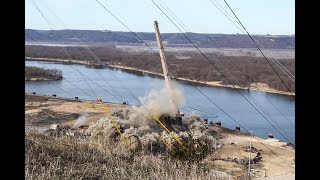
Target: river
{"type": "Point", "coordinates": [126, 86]}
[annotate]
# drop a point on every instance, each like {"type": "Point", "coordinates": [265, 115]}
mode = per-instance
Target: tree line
{"type": "Point", "coordinates": [247, 70]}
{"type": "Point", "coordinates": [36, 72]}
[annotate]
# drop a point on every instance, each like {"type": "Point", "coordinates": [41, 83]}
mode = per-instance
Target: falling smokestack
{"type": "Point", "coordinates": [163, 61]}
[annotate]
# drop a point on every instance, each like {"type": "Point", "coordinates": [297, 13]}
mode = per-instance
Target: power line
{"type": "Point", "coordinates": [220, 72]}
{"type": "Point", "coordinates": [224, 12]}
{"type": "Point", "coordinates": [170, 65]}
{"type": "Point", "coordinates": [64, 79]}
{"type": "Point", "coordinates": [174, 16]}
{"type": "Point", "coordinates": [84, 75]}
{"type": "Point", "coordinates": [155, 118]}
{"type": "Point", "coordinates": [126, 27]}
{"type": "Point", "coordinates": [178, 73]}
{"type": "Point", "coordinates": [89, 50]}
{"type": "Point", "coordinates": [259, 48]}
{"type": "Point", "coordinates": [142, 105]}
{"type": "Point", "coordinates": [187, 29]}
{"type": "Point", "coordinates": [58, 86]}
{"type": "Point", "coordinates": [146, 118]}
{"type": "Point", "coordinates": [284, 69]}
{"type": "Point", "coordinates": [155, 53]}
{"type": "Point", "coordinates": [136, 36]}
{"type": "Point", "coordinates": [52, 25]}
{"type": "Point", "coordinates": [158, 54]}
{"type": "Point", "coordinates": [216, 59]}
{"type": "Point", "coordinates": [280, 112]}
{"type": "Point", "coordinates": [82, 57]}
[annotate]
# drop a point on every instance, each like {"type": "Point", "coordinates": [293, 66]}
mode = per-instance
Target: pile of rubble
{"type": "Point", "coordinates": [150, 137]}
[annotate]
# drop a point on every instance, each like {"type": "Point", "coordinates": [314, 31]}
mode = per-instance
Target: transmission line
{"type": "Point", "coordinates": [164, 6]}
{"type": "Point", "coordinates": [259, 49]}
{"type": "Point", "coordinates": [220, 71]}
{"type": "Point", "coordinates": [236, 23]}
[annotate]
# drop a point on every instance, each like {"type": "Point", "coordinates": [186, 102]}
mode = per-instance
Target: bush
{"type": "Point", "coordinates": [194, 150]}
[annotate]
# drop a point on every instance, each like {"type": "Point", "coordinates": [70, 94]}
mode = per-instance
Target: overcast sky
{"type": "Point", "coordinates": [275, 17]}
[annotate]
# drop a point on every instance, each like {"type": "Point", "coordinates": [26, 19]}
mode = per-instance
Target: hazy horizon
{"type": "Point", "coordinates": [259, 17]}
{"type": "Point", "coordinates": [164, 32]}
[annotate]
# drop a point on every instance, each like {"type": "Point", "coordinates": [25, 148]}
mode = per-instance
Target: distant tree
{"type": "Point", "coordinates": [245, 69]}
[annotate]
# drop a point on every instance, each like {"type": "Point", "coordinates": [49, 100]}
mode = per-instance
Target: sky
{"type": "Point", "coordinates": [276, 17]}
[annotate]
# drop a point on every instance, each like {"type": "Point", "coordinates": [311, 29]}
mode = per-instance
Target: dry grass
{"type": "Point", "coordinates": [48, 157]}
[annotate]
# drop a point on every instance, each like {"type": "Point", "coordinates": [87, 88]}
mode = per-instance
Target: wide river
{"type": "Point", "coordinates": [279, 110]}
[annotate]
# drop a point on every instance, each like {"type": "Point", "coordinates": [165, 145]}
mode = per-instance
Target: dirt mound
{"type": "Point", "coordinates": [151, 137]}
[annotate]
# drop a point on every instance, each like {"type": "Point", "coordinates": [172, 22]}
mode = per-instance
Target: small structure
{"type": "Point", "coordinates": [54, 126]}
{"type": "Point", "coordinates": [238, 128]}
{"type": "Point", "coordinates": [270, 136]}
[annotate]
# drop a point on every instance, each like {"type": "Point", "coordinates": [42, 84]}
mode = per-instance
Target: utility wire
{"type": "Point", "coordinates": [50, 24]}
{"type": "Point", "coordinates": [157, 54]}
{"type": "Point", "coordinates": [240, 93]}
{"type": "Point", "coordinates": [284, 69]}
{"type": "Point", "coordinates": [57, 86]}
{"type": "Point", "coordinates": [236, 23]}
{"type": "Point", "coordinates": [81, 56]}
{"type": "Point", "coordinates": [220, 72]}
{"type": "Point", "coordinates": [144, 43]}
{"type": "Point", "coordinates": [224, 12]}
{"type": "Point", "coordinates": [137, 37]}
{"type": "Point", "coordinates": [173, 68]}
{"type": "Point", "coordinates": [64, 79]}
{"type": "Point", "coordinates": [259, 49]}
{"type": "Point", "coordinates": [80, 88]}
{"type": "Point", "coordinates": [165, 60]}
{"type": "Point", "coordinates": [146, 110]}
{"type": "Point", "coordinates": [164, 6]}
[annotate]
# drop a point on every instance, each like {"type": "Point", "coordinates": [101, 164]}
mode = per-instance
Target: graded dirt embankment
{"type": "Point", "coordinates": [44, 110]}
